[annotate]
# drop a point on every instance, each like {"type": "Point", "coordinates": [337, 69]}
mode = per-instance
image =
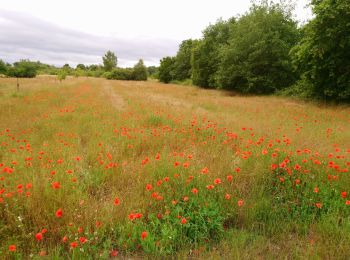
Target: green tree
{"type": "Point", "coordinates": [257, 60]}
{"type": "Point", "coordinates": [109, 61]}
{"type": "Point", "coordinates": [323, 54]}
{"type": "Point", "coordinates": [23, 69]}
{"type": "Point", "coordinates": [182, 66]}
{"type": "Point", "coordinates": [166, 69]}
{"type": "Point", "coordinates": [140, 71]}
{"type": "Point", "coordinates": [81, 67]}
{"type": "Point", "coordinates": [3, 67]}
{"type": "Point", "coordinates": [206, 53]}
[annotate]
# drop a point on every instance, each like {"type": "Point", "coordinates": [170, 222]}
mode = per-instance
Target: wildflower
{"type": "Point", "coordinates": [12, 248]}
{"type": "Point", "coordinates": [183, 221]}
{"type": "Point", "coordinates": [217, 181]}
{"type": "Point", "coordinates": [144, 234]}
{"type": "Point", "coordinates": [148, 187]}
{"type": "Point", "coordinates": [316, 190]}
{"type": "Point", "coordinates": [227, 196]}
{"type": "Point", "coordinates": [59, 213]}
{"type": "Point", "coordinates": [343, 194]}
{"type": "Point", "coordinates": [39, 236]}
{"type": "Point", "coordinates": [194, 191]}
{"type": "Point", "coordinates": [116, 201]}
{"type": "Point", "coordinates": [74, 244]}
{"type": "Point", "coordinates": [83, 240]}
{"type": "Point", "coordinates": [318, 205]}
{"type": "Point", "coordinates": [240, 203]}
{"type": "Point", "coordinates": [229, 178]}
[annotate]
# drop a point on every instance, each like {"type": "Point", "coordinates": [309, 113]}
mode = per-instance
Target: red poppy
{"type": "Point", "coordinates": [144, 234]}
{"type": "Point", "coordinates": [183, 221]}
{"type": "Point", "coordinates": [12, 248]}
{"type": "Point", "coordinates": [74, 244]}
{"type": "Point", "coordinates": [116, 201]}
{"type": "Point", "coordinates": [39, 236]}
{"type": "Point", "coordinates": [59, 213]}
{"type": "Point", "coordinates": [240, 203]}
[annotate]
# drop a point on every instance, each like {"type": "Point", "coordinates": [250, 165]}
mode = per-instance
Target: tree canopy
{"type": "Point", "coordinates": [110, 61]}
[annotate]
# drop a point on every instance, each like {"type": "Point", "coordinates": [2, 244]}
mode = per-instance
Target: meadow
{"type": "Point", "coordinates": [91, 168]}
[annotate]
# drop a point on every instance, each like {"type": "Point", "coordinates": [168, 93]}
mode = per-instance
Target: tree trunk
{"type": "Point", "coordinates": [17, 84]}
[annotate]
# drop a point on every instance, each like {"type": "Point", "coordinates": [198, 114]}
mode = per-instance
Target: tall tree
{"type": "Point", "coordinates": [166, 69]}
{"type": "Point", "coordinates": [139, 71]}
{"type": "Point", "coordinates": [206, 53]}
{"type": "Point", "coordinates": [182, 66]}
{"type": "Point", "coordinates": [109, 61]}
{"type": "Point", "coordinates": [257, 60]}
{"type": "Point", "coordinates": [323, 55]}
{"type": "Point", "coordinates": [3, 67]}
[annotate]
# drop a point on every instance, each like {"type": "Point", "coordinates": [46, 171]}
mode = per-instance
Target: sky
{"type": "Point", "coordinates": [81, 31]}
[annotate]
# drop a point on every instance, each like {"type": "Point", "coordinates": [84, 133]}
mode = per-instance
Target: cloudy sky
{"type": "Point", "coordinates": [81, 31]}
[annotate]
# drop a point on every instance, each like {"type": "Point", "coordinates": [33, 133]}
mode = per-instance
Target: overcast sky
{"type": "Point", "coordinates": [81, 31]}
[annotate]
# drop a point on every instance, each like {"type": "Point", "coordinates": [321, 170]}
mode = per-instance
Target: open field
{"type": "Point", "coordinates": [96, 168]}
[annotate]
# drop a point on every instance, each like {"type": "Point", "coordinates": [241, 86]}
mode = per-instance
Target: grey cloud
{"type": "Point", "coordinates": [24, 36]}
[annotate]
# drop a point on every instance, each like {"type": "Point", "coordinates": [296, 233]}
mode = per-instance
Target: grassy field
{"type": "Point", "coordinates": [91, 168]}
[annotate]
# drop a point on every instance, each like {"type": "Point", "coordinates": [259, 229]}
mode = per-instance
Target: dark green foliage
{"type": "Point", "coordinates": [81, 66]}
{"type": "Point", "coordinates": [120, 74]}
{"type": "Point", "coordinates": [3, 67]}
{"type": "Point", "coordinates": [139, 71]}
{"type": "Point", "coordinates": [23, 69]}
{"type": "Point", "coordinates": [152, 71]}
{"type": "Point", "coordinates": [182, 66]}
{"type": "Point", "coordinates": [166, 69]}
{"type": "Point", "coordinates": [323, 55]}
{"type": "Point", "coordinates": [256, 60]}
{"type": "Point", "coordinates": [206, 53]}
{"type": "Point", "coordinates": [109, 61]}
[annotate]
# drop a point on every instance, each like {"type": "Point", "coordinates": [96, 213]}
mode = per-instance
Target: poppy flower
{"type": "Point", "coordinates": [343, 194]}
{"type": "Point", "coordinates": [12, 248]}
{"type": "Point", "coordinates": [183, 221]}
{"type": "Point", "coordinates": [144, 234]}
{"type": "Point", "coordinates": [74, 244]}
{"type": "Point", "coordinates": [116, 201]}
{"type": "Point", "coordinates": [39, 236]}
{"type": "Point", "coordinates": [59, 213]}
{"type": "Point", "coordinates": [240, 203]}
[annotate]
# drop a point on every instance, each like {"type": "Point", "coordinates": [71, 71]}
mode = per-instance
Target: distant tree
{"type": "Point", "coordinates": [323, 55]}
{"type": "Point", "coordinates": [206, 56]}
{"type": "Point", "coordinates": [62, 74]}
{"type": "Point", "coordinates": [109, 61]}
{"type": "Point", "coordinates": [23, 69]}
{"type": "Point", "coordinates": [3, 67]}
{"type": "Point", "coordinates": [81, 66]}
{"type": "Point", "coordinates": [166, 69]}
{"type": "Point", "coordinates": [152, 71]}
{"type": "Point", "coordinates": [256, 58]}
{"type": "Point", "coordinates": [182, 66]}
{"type": "Point", "coordinates": [140, 71]}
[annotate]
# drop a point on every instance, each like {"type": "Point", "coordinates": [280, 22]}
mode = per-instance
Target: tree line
{"type": "Point", "coordinates": [109, 69]}
{"type": "Point", "coordinates": [264, 51]}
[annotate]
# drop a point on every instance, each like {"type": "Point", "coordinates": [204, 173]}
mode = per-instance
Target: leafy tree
{"type": "Point", "coordinates": [166, 69]}
{"type": "Point", "coordinates": [81, 66]}
{"type": "Point", "coordinates": [3, 67]}
{"type": "Point", "coordinates": [139, 71]}
{"type": "Point", "coordinates": [206, 53]}
{"type": "Point", "coordinates": [182, 66]}
{"type": "Point", "coordinates": [109, 61]}
{"type": "Point", "coordinates": [323, 55]}
{"type": "Point", "coordinates": [152, 71]}
{"type": "Point", "coordinates": [62, 74]}
{"type": "Point", "coordinates": [257, 60]}
{"type": "Point", "coordinates": [23, 69]}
